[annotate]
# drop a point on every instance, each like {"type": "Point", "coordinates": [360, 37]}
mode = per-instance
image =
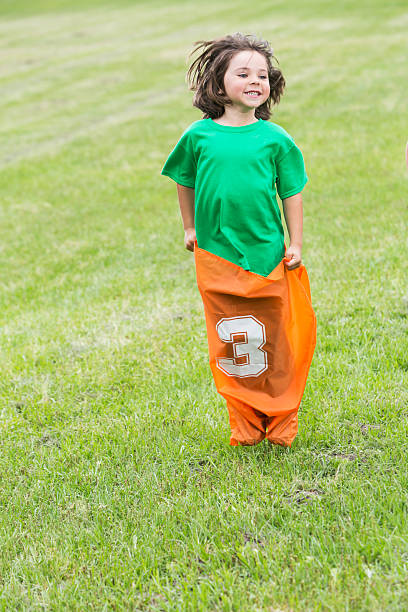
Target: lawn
{"type": "Point", "coordinates": [118, 489]}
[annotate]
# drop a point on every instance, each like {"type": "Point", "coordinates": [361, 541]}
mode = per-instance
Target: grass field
{"type": "Point", "coordinates": [118, 489]}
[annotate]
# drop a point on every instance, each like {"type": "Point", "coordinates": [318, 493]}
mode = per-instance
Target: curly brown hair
{"type": "Point", "coordinates": [206, 74]}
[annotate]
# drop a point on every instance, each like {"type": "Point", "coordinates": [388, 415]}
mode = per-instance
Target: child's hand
{"type": "Point", "coordinates": [293, 257]}
{"type": "Point", "coordinates": [189, 238]}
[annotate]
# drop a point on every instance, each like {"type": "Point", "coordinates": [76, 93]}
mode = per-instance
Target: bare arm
{"type": "Point", "coordinates": [186, 196]}
{"type": "Point", "coordinates": [293, 211]}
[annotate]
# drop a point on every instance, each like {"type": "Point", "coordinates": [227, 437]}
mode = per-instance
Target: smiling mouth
{"type": "Point", "coordinates": [253, 94]}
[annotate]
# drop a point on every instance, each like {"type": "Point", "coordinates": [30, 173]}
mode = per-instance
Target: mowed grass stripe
{"type": "Point", "coordinates": [53, 95]}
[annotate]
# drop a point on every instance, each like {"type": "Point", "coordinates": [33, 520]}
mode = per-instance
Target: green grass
{"type": "Point", "coordinates": [118, 489]}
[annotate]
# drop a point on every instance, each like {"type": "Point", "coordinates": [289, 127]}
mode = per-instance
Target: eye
{"type": "Point", "coordinates": [243, 74]}
{"type": "Point", "coordinates": [263, 76]}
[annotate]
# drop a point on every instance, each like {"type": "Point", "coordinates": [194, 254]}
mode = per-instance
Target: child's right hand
{"type": "Point", "coordinates": [189, 238]}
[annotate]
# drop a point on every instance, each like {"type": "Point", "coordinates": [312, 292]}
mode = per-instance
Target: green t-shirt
{"type": "Point", "coordinates": [236, 173]}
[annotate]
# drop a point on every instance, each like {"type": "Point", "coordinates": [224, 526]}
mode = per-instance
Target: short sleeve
{"type": "Point", "coordinates": [291, 173]}
{"type": "Point", "coordinates": [181, 165]}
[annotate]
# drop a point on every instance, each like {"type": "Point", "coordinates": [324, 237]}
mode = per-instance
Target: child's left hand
{"type": "Point", "coordinates": [293, 257]}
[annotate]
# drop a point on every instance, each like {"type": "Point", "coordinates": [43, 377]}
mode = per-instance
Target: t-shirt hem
{"type": "Point", "coordinates": [236, 265]}
{"type": "Point", "coordinates": [293, 191]}
{"type": "Point", "coordinates": [178, 180]}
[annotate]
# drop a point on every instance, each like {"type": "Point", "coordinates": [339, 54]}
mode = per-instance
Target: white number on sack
{"type": "Point", "coordinates": [247, 336]}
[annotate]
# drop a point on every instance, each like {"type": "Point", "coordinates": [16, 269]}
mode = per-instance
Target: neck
{"type": "Point", "coordinates": [236, 118]}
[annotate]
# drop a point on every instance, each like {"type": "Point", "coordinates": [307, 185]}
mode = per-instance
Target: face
{"type": "Point", "coordinates": [246, 80]}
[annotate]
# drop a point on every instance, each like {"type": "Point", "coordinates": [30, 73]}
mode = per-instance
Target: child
{"type": "Point", "coordinates": [228, 167]}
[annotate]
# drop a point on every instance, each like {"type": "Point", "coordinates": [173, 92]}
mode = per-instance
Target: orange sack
{"type": "Point", "coordinates": [261, 338]}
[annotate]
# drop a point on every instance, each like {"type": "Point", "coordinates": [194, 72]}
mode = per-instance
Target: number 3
{"type": "Point", "coordinates": [247, 336]}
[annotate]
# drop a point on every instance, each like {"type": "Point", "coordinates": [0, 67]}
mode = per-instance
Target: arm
{"type": "Point", "coordinates": [186, 197]}
{"type": "Point", "coordinates": [293, 211]}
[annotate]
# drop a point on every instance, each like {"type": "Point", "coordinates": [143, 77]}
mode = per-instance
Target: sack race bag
{"type": "Point", "coordinates": [261, 338]}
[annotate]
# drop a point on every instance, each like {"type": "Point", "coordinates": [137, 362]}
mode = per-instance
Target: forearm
{"type": "Point", "coordinates": [186, 197]}
{"type": "Point", "coordinates": [293, 211]}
